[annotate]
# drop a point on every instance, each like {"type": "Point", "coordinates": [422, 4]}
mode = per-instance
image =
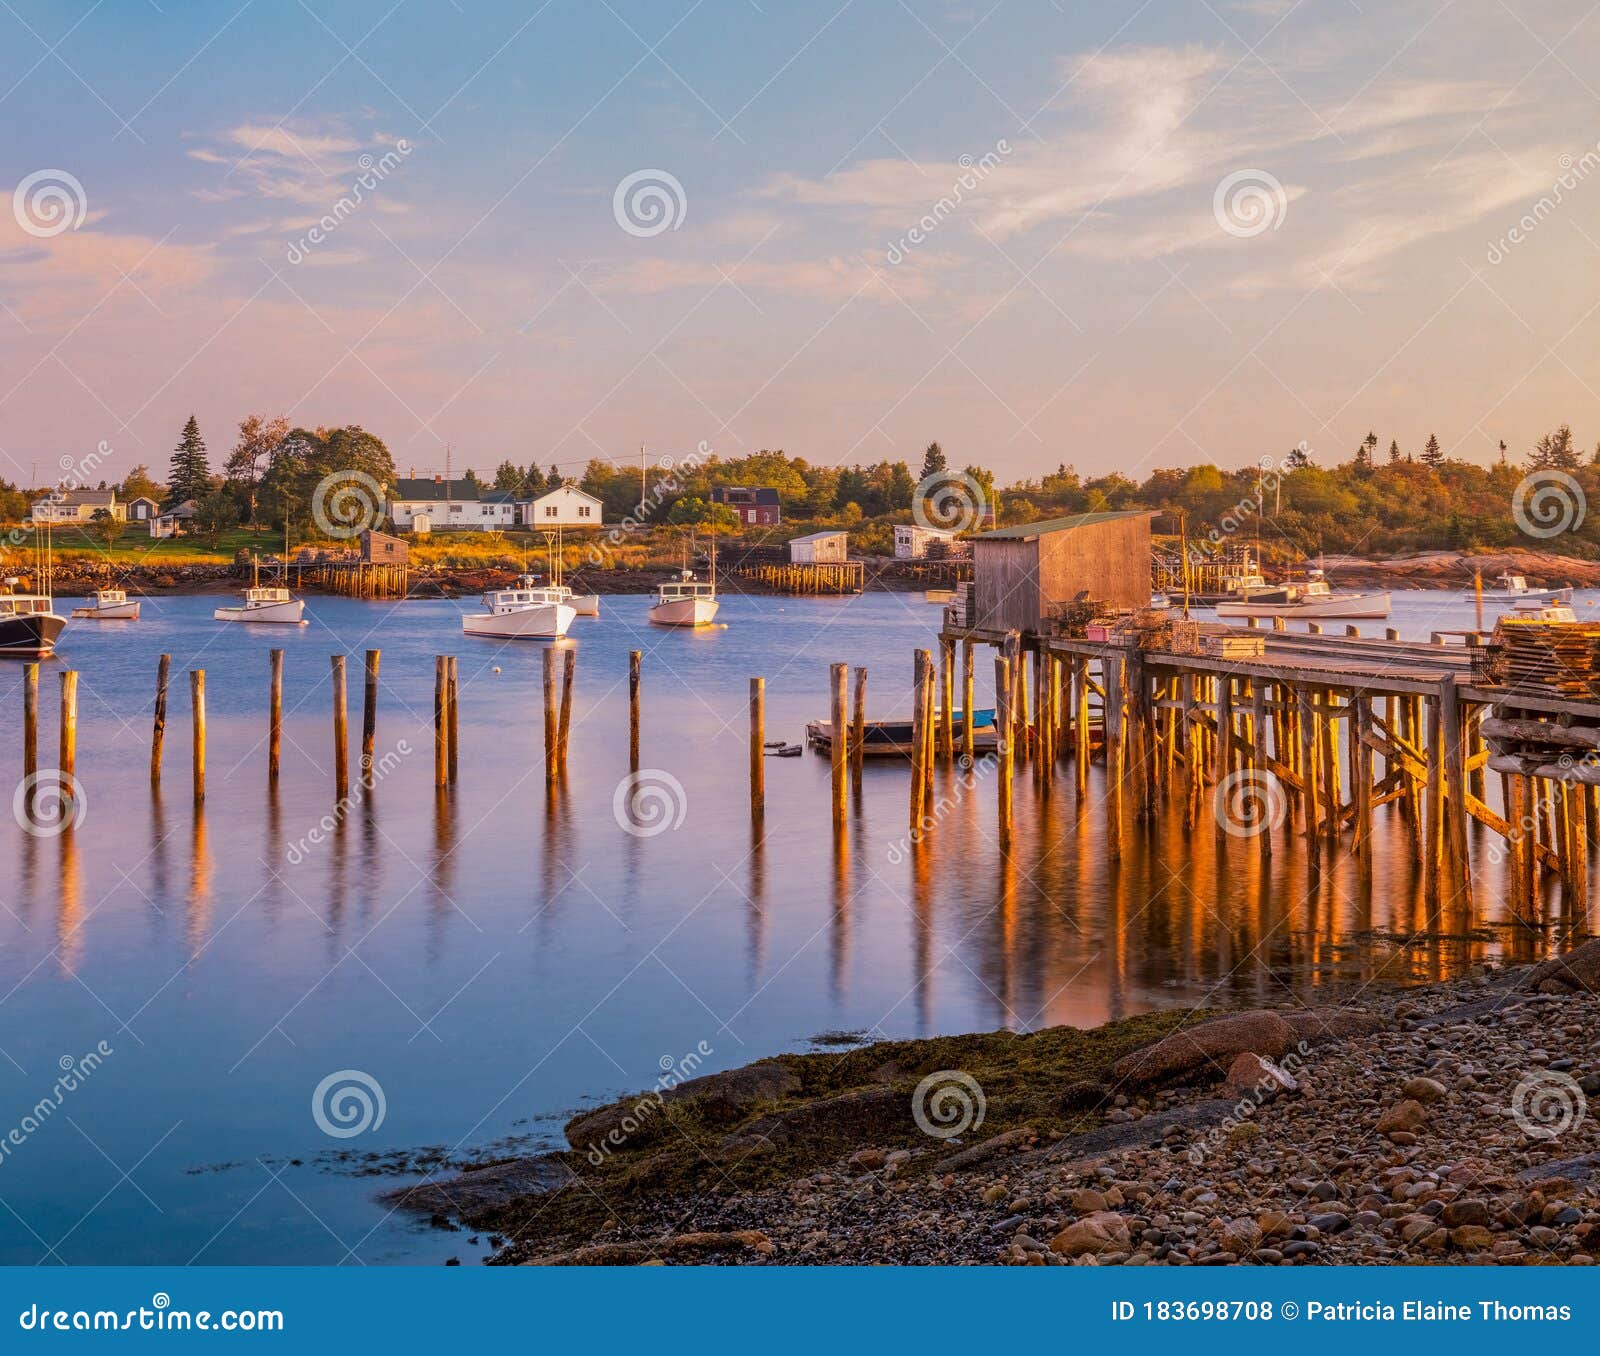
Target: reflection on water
{"type": "Point", "coordinates": [496, 953]}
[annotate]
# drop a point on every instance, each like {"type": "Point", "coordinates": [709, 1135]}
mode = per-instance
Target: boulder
{"type": "Point", "coordinates": [1206, 1050]}
{"type": "Point", "coordinates": [1318, 1025]}
{"type": "Point", "coordinates": [1578, 971]}
{"type": "Point", "coordinates": [1101, 1231]}
{"type": "Point", "coordinates": [1424, 1090]}
{"type": "Point", "coordinates": [1251, 1075]}
{"type": "Point", "coordinates": [1402, 1117]}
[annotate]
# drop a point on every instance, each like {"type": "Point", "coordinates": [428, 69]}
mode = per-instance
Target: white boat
{"type": "Point", "coordinates": [526, 611]}
{"type": "Point", "coordinates": [685, 602]}
{"type": "Point", "coordinates": [1538, 611]}
{"type": "Point", "coordinates": [109, 605]}
{"type": "Point", "coordinates": [1313, 599]}
{"type": "Point", "coordinates": [1513, 588]}
{"type": "Point", "coordinates": [582, 604]}
{"type": "Point", "coordinates": [265, 605]}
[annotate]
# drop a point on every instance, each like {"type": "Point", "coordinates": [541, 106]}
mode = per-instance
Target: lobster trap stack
{"type": "Point", "coordinates": [1554, 659]}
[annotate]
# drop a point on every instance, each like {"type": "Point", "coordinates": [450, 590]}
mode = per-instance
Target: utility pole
{"type": "Point", "coordinates": [642, 491]}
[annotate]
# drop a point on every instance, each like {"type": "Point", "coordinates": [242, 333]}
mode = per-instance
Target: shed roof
{"type": "Point", "coordinates": [820, 536]}
{"type": "Point", "coordinates": [1023, 531]}
{"type": "Point", "coordinates": [425, 488]}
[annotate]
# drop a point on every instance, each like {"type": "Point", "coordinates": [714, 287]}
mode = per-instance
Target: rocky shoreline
{"type": "Point", "coordinates": [1448, 1124]}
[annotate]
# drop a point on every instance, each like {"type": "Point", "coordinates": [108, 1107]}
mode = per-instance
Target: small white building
{"type": "Point", "coordinates": [455, 505]}
{"type": "Point", "coordinates": [173, 520]}
{"type": "Point", "coordinates": [567, 506]}
{"type": "Point", "coordinates": [76, 506]}
{"type": "Point", "coordinates": [820, 548]}
{"type": "Point", "coordinates": [911, 540]}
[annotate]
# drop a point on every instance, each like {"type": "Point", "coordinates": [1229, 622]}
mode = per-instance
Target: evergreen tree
{"type": "Point", "coordinates": [1299, 458]}
{"type": "Point", "coordinates": [1364, 453]}
{"type": "Point", "coordinates": [1394, 452]}
{"type": "Point", "coordinates": [1554, 451]}
{"type": "Point", "coordinates": [933, 462]}
{"type": "Point", "coordinates": [1432, 453]}
{"type": "Point", "coordinates": [189, 472]}
{"type": "Point", "coordinates": [508, 478]}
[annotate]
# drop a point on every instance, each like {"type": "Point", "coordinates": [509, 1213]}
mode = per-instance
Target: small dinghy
{"type": "Point", "coordinates": [892, 738]}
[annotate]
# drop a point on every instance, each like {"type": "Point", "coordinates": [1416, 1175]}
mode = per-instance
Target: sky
{"type": "Point", "coordinates": [1119, 236]}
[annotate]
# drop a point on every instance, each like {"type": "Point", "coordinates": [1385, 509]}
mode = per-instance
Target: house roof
{"type": "Point", "coordinates": [499, 497]}
{"type": "Point", "coordinates": [923, 527]}
{"type": "Point", "coordinates": [820, 536]}
{"type": "Point", "coordinates": [99, 498]}
{"type": "Point", "coordinates": [761, 494]}
{"type": "Point", "coordinates": [1025, 530]}
{"type": "Point", "coordinates": [565, 489]}
{"type": "Point", "coordinates": [426, 487]}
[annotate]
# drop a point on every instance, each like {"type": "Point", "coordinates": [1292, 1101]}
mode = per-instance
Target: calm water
{"type": "Point", "coordinates": [497, 959]}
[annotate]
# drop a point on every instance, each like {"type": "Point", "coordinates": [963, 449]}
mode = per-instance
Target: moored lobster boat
{"type": "Point", "coordinates": [109, 605]}
{"type": "Point", "coordinates": [29, 624]}
{"type": "Point", "coordinates": [526, 611]}
{"type": "Point", "coordinates": [1313, 599]}
{"type": "Point", "coordinates": [265, 605]}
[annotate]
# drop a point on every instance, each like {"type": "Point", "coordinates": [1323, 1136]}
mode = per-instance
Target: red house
{"type": "Point", "coordinates": [755, 506]}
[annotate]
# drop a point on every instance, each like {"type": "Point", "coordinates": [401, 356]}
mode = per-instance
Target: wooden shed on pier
{"type": "Point", "coordinates": [1024, 573]}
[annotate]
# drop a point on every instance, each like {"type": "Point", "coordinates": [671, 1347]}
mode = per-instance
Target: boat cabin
{"type": "Point", "coordinates": [262, 597]}
{"type": "Point", "coordinates": [23, 604]}
{"type": "Point", "coordinates": [525, 595]}
{"type": "Point", "coordinates": [686, 588]}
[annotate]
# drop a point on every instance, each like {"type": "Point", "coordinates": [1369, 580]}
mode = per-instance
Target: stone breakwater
{"type": "Point", "coordinates": [1450, 1124]}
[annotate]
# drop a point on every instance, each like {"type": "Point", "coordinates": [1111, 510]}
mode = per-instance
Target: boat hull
{"type": "Point", "coordinates": [1531, 596]}
{"type": "Point", "coordinates": [31, 636]}
{"type": "Point", "coordinates": [1347, 605]}
{"type": "Point", "coordinates": [684, 612]}
{"type": "Point", "coordinates": [284, 614]}
{"type": "Point", "coordinates": [115, 612]}
{"type": "Point", "coordinates": [585, 604]}
{"type": "Point", "coordinates": [546, 621]}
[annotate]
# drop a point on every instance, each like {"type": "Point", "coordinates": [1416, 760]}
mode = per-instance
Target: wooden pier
{"type": "Point", "coordinates": [1315, 737]}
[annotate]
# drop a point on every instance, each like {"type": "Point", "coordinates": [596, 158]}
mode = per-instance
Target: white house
{"type": "Point", "coordinates": [567, 506]}
{"type": "Point", "coordinates": [820, 548]}
{"type": "Point", "coordinates": [911, 540]}
{"type": "Point", "coordinates": [174, 519]}
{"type": "Point", "coordinates": [456, 505]}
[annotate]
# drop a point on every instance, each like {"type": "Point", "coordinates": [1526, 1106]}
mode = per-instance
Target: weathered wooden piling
{"type": "Point", "coordinates": [197, 709]}
{"type": "Point", "coordinates": [552, 758]}
{"type": "Point", "coordinates": [30, 721]}
{"type": "Point", "coordinates": [919, 780]}
{"type": "Point", "coordinates": [569, 669]}
{"type": "Point", "coordinates": [453, 711]}
{"type": "Point", "coordinates": [947, 698]}
{"type": "Point", "coordinates": [758, 738]}
{"type": "Point", "coordinates": [67, 761]}
{"type": "Point", "coordinates": [839, 746]}
{"type": "Point", "coordinates": [441, 734]}
{"type": "Point", "coordinates": [369, 717]}
{"type": "Point", "coordinates": [158, 727]}
{"type": "Point", "coordinates": [635, 675]}
{"type": "Point", "coordinates": [858, 730]}
{"type": "Point", "coordinates": [1003, 731]}
{"type": "Point", "coordinates": [274, 717]}
{"type": "Point", "coordinates": [968, 697]}
{"type": "Point", "coordinates": [341, 733]}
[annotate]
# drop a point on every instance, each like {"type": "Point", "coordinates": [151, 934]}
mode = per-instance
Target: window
{"type": "Point", "coordinates": [583, 510]}
{"type": "Point", "coordinates": [549, 510]}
